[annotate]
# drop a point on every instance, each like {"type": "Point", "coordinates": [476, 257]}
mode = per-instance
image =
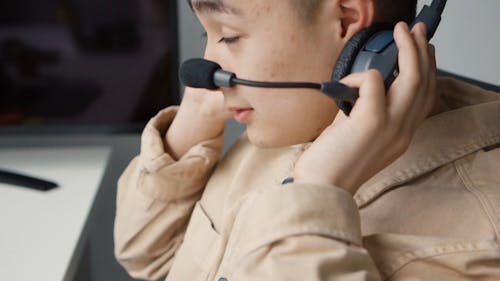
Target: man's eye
{"type": "Point", "coordinates": [229, 40]}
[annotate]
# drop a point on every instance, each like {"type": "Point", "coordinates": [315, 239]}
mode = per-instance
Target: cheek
{"type": "Point", "coordinates": [288, 59]}
{"type": "Point", "coordinates": [275, 109]}
{"type": "Point", "coordinates": [266, 64]}
{"type": "Point", "coordinates": [271, 54]}
{"type": "Point", "coordinates": [282, 109]}
{"type": "Point", "coordinates": [291, 117]}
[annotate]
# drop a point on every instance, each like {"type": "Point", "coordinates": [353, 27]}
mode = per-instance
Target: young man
{"type": "Point", "coordinates": [405, 188]}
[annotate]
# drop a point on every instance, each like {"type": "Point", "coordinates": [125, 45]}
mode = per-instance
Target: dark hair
{"type": "Point", "coordinates": [386, 11]}
{"type": "Point", "coordinates": [393, 11]}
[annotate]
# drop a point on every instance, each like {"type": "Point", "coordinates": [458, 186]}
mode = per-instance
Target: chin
{"type": "Point", "coordinates": [273, 139]}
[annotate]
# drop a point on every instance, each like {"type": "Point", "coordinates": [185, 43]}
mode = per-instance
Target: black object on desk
{"type": "Point", "coordinates": [26, 181]}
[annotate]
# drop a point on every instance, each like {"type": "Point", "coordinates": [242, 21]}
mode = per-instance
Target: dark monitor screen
{"type": "Point", "coordinates": [86, 62]}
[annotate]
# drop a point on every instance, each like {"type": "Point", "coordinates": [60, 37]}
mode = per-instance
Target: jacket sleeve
{"type": "Point", "coordinates": [155, 198]}
{"type": "Point", "coordinates": [319, 238]}
{"type": "Point", "coordinates": [300, 232]}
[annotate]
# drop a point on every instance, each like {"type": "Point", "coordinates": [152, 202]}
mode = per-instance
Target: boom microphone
{"type": "Point", "coordinates": [201, 73]}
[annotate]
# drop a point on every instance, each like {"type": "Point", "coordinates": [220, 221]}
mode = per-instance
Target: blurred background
{"type": "Point", "coordinates": [87, 62]}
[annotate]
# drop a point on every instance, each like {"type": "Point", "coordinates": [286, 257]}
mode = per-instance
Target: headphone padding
{"type": "Point", "coordinates": [352, 48]}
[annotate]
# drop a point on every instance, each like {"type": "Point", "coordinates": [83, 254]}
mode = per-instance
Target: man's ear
{"type": "Point", "coordinates": [355, 15]}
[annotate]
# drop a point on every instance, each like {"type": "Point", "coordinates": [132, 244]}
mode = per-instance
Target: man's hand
{"type": "Point", "coordinates": [202, 116]}
{"type": "Point", "coordinates": [380, 127]}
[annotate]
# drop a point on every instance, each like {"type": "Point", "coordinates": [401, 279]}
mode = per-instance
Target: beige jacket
{"type": "Point", "coordinates": [434, 214]}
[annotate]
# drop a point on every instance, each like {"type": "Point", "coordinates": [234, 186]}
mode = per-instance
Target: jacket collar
{"type": "Point", "coordinates": [471, 125]}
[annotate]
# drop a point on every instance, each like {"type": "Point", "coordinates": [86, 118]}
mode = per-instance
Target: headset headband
{"type": "Point", "coordinates": [431, 16]}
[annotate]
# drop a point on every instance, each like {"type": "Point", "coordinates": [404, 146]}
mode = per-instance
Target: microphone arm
{"type": "Point", "coordinates": [303, 85]}
{"type": "Point", "coordinates": [226, 79]}
{"type": "Point", "coordinates": [334, 90]}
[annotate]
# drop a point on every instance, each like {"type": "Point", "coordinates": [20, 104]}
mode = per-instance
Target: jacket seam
{"type": "Point", "coordinates": [330, 233]}
{"type": "Point", "coordinates": [485, 203]}
{"type": "Point", "coordinates": [140, 182]}
{"type": "Point", "coordinates": [340, 237]}
{"type": "Point", "coordinates": [155, 195]}
{"type": "Point", "coordinates": [158, 163]}
{"type": "Point", "coordinates": [406, 259]}
{"type": "Point", "coordinates": [368, 195]}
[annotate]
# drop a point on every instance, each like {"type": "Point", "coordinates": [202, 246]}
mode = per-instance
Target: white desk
{"type": "Point", "coordinates": [39, 231]}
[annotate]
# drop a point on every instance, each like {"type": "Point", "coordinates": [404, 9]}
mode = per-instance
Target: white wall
{"type": "Point", "coordinates": [468, 39]}
{"type": "Point", "coordinates": [190, 33]}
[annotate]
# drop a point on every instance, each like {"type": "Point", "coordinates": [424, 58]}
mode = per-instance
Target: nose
{"type": "Point", "coordinates": [210, 53]}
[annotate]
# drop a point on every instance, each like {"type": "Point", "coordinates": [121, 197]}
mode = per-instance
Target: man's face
{"type": "Point", "coordinates": [268, 41]}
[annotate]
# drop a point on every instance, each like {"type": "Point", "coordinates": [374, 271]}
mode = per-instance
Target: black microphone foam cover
{"type": "Point", "coordinates": [199, 73]}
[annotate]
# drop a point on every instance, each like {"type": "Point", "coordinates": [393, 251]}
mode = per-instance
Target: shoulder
{"type": "Point", "coordinates": [480, 175]}
{"type": "Point", "coordinates": [460, 199]}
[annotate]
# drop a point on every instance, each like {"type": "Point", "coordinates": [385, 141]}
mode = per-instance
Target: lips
{"type": "Point", "coordinates": [242, 115]}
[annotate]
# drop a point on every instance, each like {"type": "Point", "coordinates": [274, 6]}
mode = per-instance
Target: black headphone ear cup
{"type": "Point", "coordinates": [352, 48]}
{"type": "Point", "coordinates": [348, 56]}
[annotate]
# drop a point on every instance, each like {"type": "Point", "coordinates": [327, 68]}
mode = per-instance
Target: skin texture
{"type": "Point", "coordinates": [267, 40]}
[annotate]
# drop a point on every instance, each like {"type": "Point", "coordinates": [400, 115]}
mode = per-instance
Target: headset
{"type": "Point", "coordinates": [374, 48]}
{"type": "Point", "coordinates": [371, 48]}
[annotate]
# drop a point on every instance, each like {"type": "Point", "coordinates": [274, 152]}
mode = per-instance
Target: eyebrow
{"type": "Point", "coordinates": [212, 6]}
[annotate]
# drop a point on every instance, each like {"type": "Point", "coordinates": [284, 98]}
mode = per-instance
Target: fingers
{"type": "Point", "coordinates": [371, 87]}
{"type": "Point", "coordinates": [432, 57]}
{"type": "Point", "coordinates": [408, 57]}
{"type": "Point", "coordinates": [401, 95]}
{"type": "Point", "coordinates": [420, 36]}
{"type": "Point", "coordinates": [419, 33]}
{"type": "Point", "coordinates": [425, 97]}
{"type": "Point", "coordinates": [412, 92]}
{"type": "Point", "coordinates": [432, 85]}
